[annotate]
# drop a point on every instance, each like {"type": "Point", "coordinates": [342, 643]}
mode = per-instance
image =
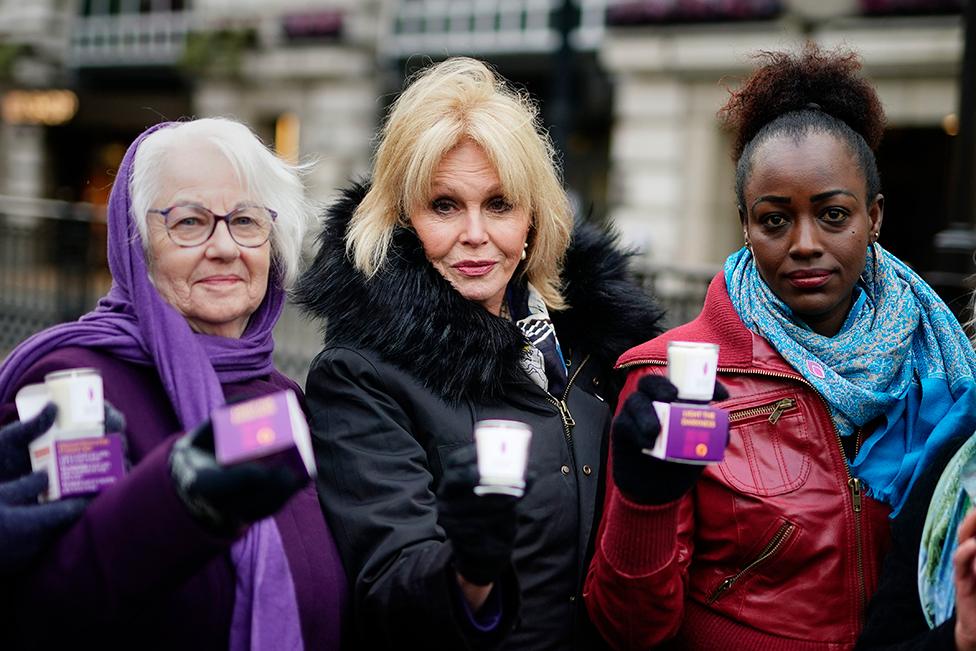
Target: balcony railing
{"type": "Point", "coordinates": [149, 39]}
{"type": "Point", "coordinates": [438, 27]}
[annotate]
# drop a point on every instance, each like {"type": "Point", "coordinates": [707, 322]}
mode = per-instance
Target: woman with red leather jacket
{"type": "Point", "coordinates": [843, 374]}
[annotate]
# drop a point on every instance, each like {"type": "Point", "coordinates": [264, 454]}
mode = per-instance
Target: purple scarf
{"type": "Point", "coordinates": [134, 323]}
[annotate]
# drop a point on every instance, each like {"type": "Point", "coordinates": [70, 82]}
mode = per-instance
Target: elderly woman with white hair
{"type": "Point", "coordinates": [455, 289]}
{"type": "Point", "coordinates": [205, 232]}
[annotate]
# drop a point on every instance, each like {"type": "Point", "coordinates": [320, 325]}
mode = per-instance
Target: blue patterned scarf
{"type": "Point", "coordinates": [901, 360]}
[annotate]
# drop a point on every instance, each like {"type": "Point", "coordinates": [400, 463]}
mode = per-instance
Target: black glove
{"type": "Point", "coordinates": [16, 436]}
{"type": "Point", "coordinates": [641, 477]}
{"type": "Point", "coordinates": [26, 526]}
{"type": "Point", "coordinates": [227, 499]}
{"type": "Point", "coordinates": [481, 528]}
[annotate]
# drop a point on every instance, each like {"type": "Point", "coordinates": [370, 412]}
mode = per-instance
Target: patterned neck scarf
{"type": "Point", "coordinates": [901, 362]}
{"type": "Point", "coordinates": [949, 505]}
{"type": "Point", "coordinates": [542, 358]}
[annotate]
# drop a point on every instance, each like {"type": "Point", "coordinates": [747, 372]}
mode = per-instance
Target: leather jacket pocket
{"type": "Point", "coordinates": [766, 554]}
{"type": "Point", "coordinates": [769, 445]}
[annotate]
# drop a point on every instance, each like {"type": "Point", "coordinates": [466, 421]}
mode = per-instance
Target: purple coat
{"type": "Point", "coordinates": [136, 571]}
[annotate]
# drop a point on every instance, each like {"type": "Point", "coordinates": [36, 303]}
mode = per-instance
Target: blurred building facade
{"type": "Point", "coordinates": [630, 89]}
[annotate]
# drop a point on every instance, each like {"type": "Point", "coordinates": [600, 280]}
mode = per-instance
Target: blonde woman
{"type": "Point", "coordinates": [455, 289]}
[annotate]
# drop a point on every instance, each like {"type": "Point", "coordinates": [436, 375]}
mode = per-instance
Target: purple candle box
{"type": "Point", "coordinates": [690, 433]}
{"type": "Point", "coordinates": [85, 466]}
{"type": "Point", "coordinates": [270, 429]}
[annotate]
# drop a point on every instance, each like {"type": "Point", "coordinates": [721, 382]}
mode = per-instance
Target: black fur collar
{"type": "Point", "coordinates": [414, 319]}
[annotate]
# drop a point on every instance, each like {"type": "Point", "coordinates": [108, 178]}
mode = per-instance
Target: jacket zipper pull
{"type": "Point", "coordinates": [856, 491]}
{"type": "Point", "coordinates": [564, 412]}
{"type": "Point", "coordinates": [721, 589]}
{"type": "Point", "coordinates": [781, 406]}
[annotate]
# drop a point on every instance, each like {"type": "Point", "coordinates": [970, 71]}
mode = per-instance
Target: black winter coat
{"type": "Point", "coordinates": [409, 366]}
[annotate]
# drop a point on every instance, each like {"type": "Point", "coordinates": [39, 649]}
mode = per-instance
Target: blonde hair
{"type": "Point", "coordinates": [274, 182]}
{"type": "Point", "coordinates": [444, 105]}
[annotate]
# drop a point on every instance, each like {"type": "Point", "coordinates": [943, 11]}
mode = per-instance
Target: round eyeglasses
{"type": "Point", "coordinates": [192, 225]}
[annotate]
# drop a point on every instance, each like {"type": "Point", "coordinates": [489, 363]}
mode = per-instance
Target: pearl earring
{"type": "Point", "coordinates": [525, 248]}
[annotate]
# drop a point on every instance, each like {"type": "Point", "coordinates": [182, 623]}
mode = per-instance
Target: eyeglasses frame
{"type": "Point", "coordinates": [217, 219]}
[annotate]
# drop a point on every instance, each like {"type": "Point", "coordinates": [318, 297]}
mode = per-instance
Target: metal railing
{"type": "Point", "coordinates": [53, 269]}
{"type": "Point", "coordinates": [436, 27]}
{"type": "Point", "coordinates": [155, 38]}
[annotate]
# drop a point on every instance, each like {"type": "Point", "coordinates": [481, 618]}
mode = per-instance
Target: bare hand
{"type": "Point", "coordinates": [964, 562]}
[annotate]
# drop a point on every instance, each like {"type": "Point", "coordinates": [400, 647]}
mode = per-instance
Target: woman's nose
{"type": "Point", "coordinates": [474, 232]}
{"type": "Point", "coordinates": [805, 239]}
{"type": "Point", "coordinates": [221, 244]}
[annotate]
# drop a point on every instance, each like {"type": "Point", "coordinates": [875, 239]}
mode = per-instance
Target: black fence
{"type": "Point", "coordinates": [53, 268]}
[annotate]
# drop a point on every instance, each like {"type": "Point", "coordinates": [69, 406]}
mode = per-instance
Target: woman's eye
{"type": "Point", "coordinates": [442, 206]}
{"type": "Point", "coordinates": [188, 222]}
{"type": "Point", "coordinates": [834, 215]}
{"type": "Point", "coordinates": [498, 204]}
{"type": "Point", "coordinates": [774, 220]}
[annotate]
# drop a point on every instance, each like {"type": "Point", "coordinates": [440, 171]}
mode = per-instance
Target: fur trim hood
{"type": "Point", "coordinates": [414, 319]}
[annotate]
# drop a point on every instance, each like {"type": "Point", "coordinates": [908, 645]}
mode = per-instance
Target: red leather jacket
{"type": "Point", "coordinates": [775, 548]}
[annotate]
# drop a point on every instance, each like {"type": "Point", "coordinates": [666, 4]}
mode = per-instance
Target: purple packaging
{"type": "Point", "coordinates": [690, 433]}
{"type": "Point", "coordinates": [270, 429]}
{"type": "Point", "coordinates": [85, 466]}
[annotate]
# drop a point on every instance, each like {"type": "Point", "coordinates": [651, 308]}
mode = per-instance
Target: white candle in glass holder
{"type": "Point", "coordinates": [503, 454]}
{"type": "Point", "coordinates": [78, 394]}
{"type": "Point", "coordinates": [691, 368]}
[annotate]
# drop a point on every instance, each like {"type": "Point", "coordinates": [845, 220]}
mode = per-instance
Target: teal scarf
{"type": "Point", "coordinates": [901, 360]}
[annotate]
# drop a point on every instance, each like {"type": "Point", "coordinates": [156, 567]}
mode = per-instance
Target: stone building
{"type": "Point", "coordinates": [629, 87]}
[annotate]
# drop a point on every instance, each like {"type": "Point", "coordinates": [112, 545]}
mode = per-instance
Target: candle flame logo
{"type": "Point", "coordinates": [265, 436]}
{"type": "Point", "coordinates": [816, 369]}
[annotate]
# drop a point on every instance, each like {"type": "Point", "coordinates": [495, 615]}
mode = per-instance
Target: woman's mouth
{"type": "Point", "coordinates": [809, 278]}
{"type": "Point", "coordinates": [220, 281]}
{"type": "Point", "coordinates": [474, 268]}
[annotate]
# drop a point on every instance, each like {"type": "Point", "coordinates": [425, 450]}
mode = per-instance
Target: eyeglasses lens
{"type": "Point", "coordinates": [191, 225]}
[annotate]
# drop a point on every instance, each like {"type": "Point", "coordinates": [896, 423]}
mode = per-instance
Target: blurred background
{"type": "Point", "coordinates": [628, 88]}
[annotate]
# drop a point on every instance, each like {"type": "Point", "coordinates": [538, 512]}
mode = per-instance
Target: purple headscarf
{"type": "Point", "coordinates": [134, 323]}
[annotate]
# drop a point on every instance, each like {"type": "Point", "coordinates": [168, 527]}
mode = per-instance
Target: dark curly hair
{"type": "Point", "coordinates": [795, 94]}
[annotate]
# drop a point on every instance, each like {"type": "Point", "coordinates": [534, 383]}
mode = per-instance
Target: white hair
{"type": "Point", "coordinates": [269, 179]}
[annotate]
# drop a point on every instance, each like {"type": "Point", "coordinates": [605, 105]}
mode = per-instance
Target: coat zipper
{"type": "Point", "coordinates": [774, 409]}
{"type": "Point", "coordinates": [563, 408]}
{"type": "Point", "coordinates": [854, 485]}
{"type": "Point", "coordinates": [767, 552]}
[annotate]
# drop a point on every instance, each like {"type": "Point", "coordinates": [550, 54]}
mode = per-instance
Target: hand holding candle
{"type": "Point", "coordinates": [644, 478]}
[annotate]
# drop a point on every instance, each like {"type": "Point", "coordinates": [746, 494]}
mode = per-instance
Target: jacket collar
{"type": "Point", "coordinates": [720, 324]}
{"type": "Point", "coordinates": [414, 319]}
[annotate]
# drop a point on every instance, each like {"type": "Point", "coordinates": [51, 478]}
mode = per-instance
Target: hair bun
{"type": "Point", "coordinates": [811, 79]}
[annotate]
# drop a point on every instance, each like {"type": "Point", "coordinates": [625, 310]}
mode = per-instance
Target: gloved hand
{"type": "Point", "coordinates": [641, 477]}
{"type": "Point", "coordinates": [227, 499]}
{"type": "Point", "coordinates": [26, 527]}
{"type": "Point", "coordinates": [481, 528]}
